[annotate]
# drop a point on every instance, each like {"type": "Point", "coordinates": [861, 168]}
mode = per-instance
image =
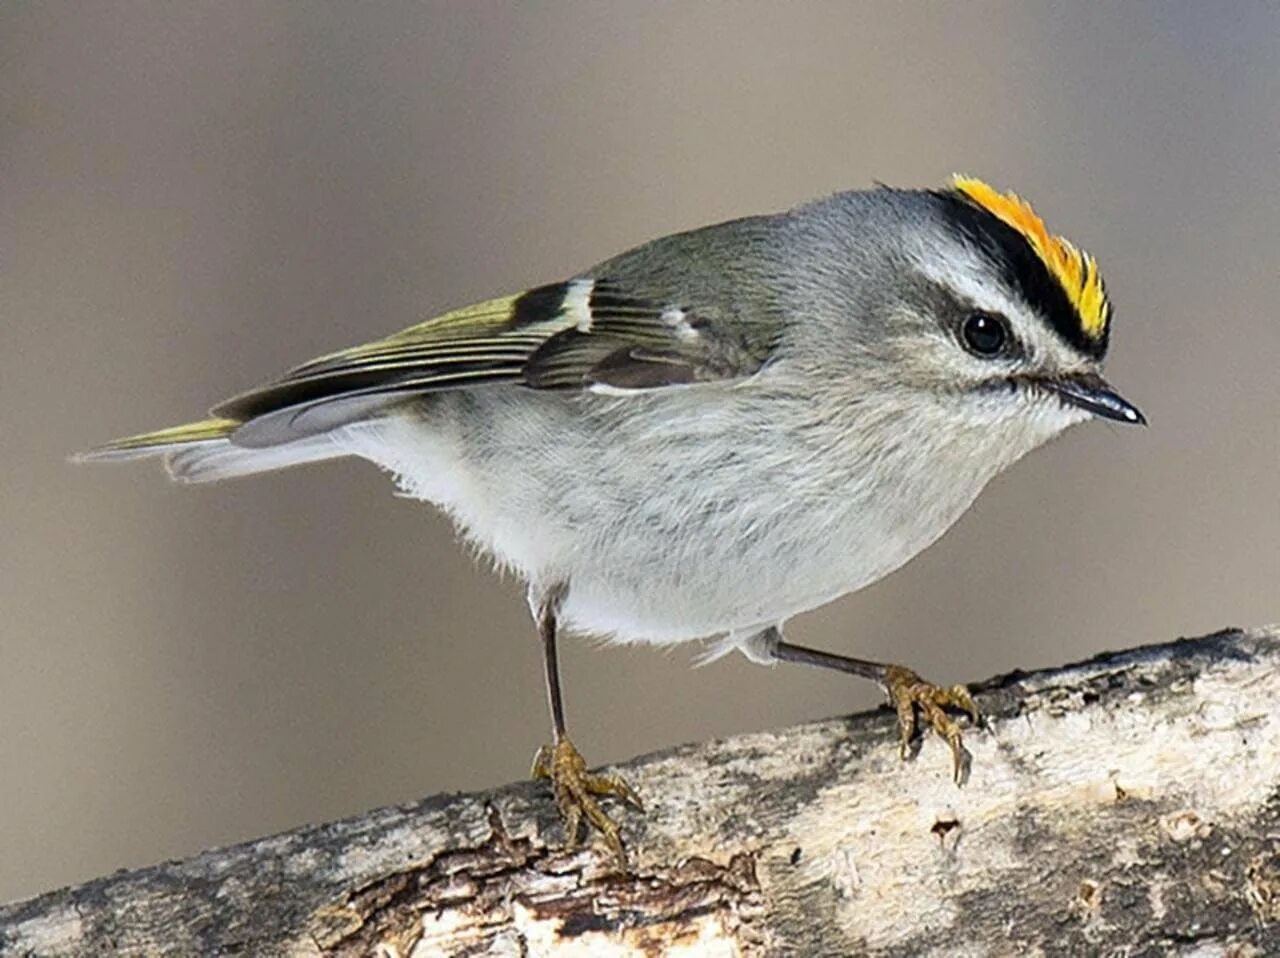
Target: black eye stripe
{"type": "Point", "coordinates": [1024, 271]}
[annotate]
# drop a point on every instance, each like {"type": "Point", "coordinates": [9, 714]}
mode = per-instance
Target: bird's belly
{"type": "Point", "coordinates": [666, 538]}
{"type": "Point", "coordinates": [709, 581]}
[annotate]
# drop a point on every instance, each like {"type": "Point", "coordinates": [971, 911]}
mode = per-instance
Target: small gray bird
{"type": "Point", "coordinates": [715, 431]}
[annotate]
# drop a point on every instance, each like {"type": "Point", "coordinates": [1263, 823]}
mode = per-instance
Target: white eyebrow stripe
{"type": "Point", "coordinates": [962, 277]}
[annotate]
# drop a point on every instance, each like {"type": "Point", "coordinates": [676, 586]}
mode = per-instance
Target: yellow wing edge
{"type": "Point", "coordinates": [206, 430]}
{"type": "Point", "coordinates": [486, 323]}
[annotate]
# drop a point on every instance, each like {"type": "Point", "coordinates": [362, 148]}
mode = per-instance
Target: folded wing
{"type": "Point", "coordinates": [580, 334]}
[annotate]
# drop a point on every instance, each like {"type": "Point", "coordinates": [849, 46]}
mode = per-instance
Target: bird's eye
{"type": "Point", "coordinates": [984, 335]}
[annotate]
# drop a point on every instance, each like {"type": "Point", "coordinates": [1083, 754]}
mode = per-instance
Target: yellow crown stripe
{"type": "Point", "coordinates": [1074, 269]}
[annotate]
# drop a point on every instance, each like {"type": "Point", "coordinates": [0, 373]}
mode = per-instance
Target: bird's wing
{"type": "Point", "coordinates": [580, 334]}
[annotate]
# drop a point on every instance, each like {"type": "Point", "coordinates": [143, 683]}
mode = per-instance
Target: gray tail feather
{"type": "Point", "coordinates": [221, 459]}
{"type": "Point", "coordinates": [209, 460]}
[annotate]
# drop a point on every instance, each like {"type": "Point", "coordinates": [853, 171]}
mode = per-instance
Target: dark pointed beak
{"type": "Point", "coordinates": [1091, 392]}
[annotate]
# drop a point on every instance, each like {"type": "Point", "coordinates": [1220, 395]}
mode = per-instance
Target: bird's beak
{"type": "Point", "coordinates": [1091, 392]}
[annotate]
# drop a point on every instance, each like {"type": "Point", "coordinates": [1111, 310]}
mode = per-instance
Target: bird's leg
{"type": "Point", "coordinates": [575, 788]}
{"type": "Point", "coordinates": [909, 694]}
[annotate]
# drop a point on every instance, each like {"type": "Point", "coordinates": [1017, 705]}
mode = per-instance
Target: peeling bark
{"type": "Point", "coordinates": [1126, 805]}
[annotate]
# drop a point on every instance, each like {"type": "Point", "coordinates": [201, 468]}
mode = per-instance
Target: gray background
{"type": "Point", "coordinates": [194, 197]}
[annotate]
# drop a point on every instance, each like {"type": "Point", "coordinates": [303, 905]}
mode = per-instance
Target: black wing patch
{"type": "Point", "coordinates": [630, 343]}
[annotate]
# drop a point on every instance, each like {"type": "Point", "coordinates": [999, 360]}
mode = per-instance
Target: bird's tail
{"type": "Point", "coordinates": [205, 451]}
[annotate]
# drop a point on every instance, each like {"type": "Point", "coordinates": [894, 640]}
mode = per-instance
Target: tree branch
{"type": "Point", "coordinates": [1126, 805]}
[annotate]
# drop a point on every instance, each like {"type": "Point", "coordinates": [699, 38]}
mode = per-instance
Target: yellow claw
{"type": "Point", "coordinates": [575, 789]}
{"type": "Point", "coordinates": [909, 694]}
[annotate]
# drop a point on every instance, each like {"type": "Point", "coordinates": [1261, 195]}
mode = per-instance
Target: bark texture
{"type": "Point", "coordinates": [1128, 805]}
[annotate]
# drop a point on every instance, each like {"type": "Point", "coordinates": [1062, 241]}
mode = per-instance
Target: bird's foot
{"type": "Point", "coordinates": [575, 789]}
{"type": "Point", "coordinates": [909, 694]}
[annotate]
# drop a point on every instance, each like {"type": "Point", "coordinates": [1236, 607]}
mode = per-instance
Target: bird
{"type": "Point", "coordinates": [708, 434]}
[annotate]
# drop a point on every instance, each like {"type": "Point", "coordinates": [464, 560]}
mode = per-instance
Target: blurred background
{"type": "Point", "coordinates": [194, 197]}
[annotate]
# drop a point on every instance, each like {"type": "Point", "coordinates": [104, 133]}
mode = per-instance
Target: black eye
{"type": "Point", "coordinates": [984, 334]}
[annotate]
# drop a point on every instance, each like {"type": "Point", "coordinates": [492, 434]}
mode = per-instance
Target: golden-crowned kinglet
{"type": "Point", "coordinates": [717, 430]}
